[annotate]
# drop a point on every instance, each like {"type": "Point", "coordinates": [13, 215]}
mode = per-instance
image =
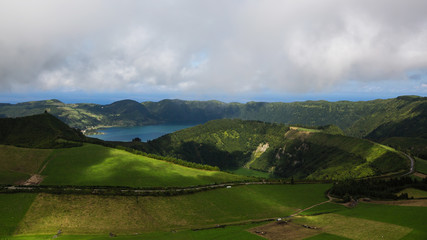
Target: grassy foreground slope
{"type": "Point", "coordinates": [16, 164]}
{"type": "Point", "coordinates": [13, 208]}
{"type": "Point", "coordinates": [368, 221]}
{"type": "Point", "coordinates": [102, 166]}
{"type": "Point", "coordinates": [88, 214]}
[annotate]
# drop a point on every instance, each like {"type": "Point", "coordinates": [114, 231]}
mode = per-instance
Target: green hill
{"type": "Point", "coordinates": [96, 165]}
{"type": "Point", "coordinates": [279, 149]}
{"type": "Point", "coordinates": [38, 131]}
{"type": "Point", "coordinates": [378, 120]}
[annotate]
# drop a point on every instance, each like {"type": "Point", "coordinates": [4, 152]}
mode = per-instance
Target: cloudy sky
{"type": "Point", "coordinates": [242, 50]}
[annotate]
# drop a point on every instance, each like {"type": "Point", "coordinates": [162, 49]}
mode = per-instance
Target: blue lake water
{"type": "Point", "coordinates": [145, 133]}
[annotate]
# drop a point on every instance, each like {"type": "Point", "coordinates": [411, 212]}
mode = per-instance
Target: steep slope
{"type": "Point", "coordinates": [279, 149]}
{"type": "Point", "coordinates": [38, 131]}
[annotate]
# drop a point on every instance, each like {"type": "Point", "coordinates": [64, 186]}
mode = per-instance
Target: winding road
{"type": "Point", "coordinates": [411, 169]}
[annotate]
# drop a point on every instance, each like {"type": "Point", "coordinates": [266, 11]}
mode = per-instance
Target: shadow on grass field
{"type": "Point", "coordinates": [89, 214]}
{"type": "Point", "coordinates": [97, 165]}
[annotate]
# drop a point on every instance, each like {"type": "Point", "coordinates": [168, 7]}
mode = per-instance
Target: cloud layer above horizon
{"type": "Point", "coordinates": [230, 47]}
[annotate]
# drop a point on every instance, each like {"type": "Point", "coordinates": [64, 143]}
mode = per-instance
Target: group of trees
{"type": "Point", "coordinates": [377, 188]}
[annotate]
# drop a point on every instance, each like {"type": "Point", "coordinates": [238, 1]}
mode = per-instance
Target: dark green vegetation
{"type": "Point", "coordinates": [101, 166]}
{"type": "Point", "coordinates": [12, 209]}
{"type": "Point", "coordinates": [415, 146]}
{"type": "Point", "coordinates": [402, 117]}
{"type": "Point", "coordinates": [38, 131]}
{"type": "Point", "coordinates": [377, 188]}
{"type": "Point", "coordinates": [278, 149]}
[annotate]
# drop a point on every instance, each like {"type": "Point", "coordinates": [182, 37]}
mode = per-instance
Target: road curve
{"type": "Point", "coordinates": [411, 169]}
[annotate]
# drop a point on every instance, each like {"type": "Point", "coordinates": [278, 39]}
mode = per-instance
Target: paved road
{"type": "Point", "coordinates": [411, 169]}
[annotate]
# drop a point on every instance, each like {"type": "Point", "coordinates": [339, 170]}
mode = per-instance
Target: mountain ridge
{"type": "Point", "coordinates": [358, 119]}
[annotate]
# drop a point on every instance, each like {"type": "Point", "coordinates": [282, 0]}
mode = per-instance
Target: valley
{"type": "Point", "coordinates": [224, 179]}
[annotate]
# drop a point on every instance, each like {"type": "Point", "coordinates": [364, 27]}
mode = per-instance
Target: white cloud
{"type": "Point", "coordinates": [204, 46]}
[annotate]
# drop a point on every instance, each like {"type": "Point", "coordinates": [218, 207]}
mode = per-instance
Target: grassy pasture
{"type": "Point", "coordinates": [88, 214]}
{"type": "Point", "coordinates": [411, 217]}
{"type": "Point", "coordinates": [367, 221]}
{"type": "Point", "coordinates": [323, 209]}
{"type": "Point", "coordinates": [421, 165]}
{"type": "Point", "coordinates": [98, 165]}
{"type": "Point", "coordinates": [324, 236]}
{"type": "Point", "coordinates": [18, 163]}
{"type": "Point", "coordinates": [355, 228]}
{"type": "Point", "coordinates": [12, 209]}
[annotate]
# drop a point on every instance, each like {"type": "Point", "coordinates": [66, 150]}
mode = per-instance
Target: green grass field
{"type": "Point", "coordinates": [326, 236]}
{"type": "Point", "coordinates": [228, 233]}
{"type": "Point", "coordinates": [421, 165]}
{"type": "Point", "coordinates": [16, 164]}
{"type": "Point", "coordinates": [323, 209]}
{"type": "Point", "coordinates": [89, 214]}
{"type": "Point", "coordinates": [98, 165]}
{"type": "Point", "coordinates": [369, 221]}
{"type": "Point", "coordinates": [12, 209]}
{"type": "Point", "coordinates": [411, 217]}
{"type": "Point", "coordinates": [415, 193]}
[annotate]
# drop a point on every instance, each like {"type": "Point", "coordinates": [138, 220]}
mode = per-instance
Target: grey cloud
{"type": "Point", "coordinates": [246, 46]}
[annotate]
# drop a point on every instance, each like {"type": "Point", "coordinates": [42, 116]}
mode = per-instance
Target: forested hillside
{"type": "Point", "coordinates": [38, 131]}
{"type": "Point", "coordinates": [313, 153]}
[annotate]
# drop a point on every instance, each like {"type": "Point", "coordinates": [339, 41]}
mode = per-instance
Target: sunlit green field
{"type": "Point", "coordinates": [228, 233]}
{"type": "Point", "coordinates": [98, 165]}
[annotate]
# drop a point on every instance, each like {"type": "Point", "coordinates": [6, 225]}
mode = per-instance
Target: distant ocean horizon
{"type": "Point", "coordinates": [145, 133]}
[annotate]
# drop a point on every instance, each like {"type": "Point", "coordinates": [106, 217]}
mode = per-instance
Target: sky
{"type": "Point", "coordinates": [243, 50]}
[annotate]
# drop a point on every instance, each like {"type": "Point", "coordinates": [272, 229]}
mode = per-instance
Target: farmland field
{"type": "Point", "coordinates": [98, 165]}
{"type": "Point", "coordinates": [377, 221]}
{"type": "Point", "coordinates": [88, 214]}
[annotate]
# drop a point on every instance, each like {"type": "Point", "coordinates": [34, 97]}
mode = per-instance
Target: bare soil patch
{"type": "Point", "coordinates": [418, 174]}
{"type": "Point", "coordinates": [35, 179]}
{"type": "Point", "coordinates": [282, 230]}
